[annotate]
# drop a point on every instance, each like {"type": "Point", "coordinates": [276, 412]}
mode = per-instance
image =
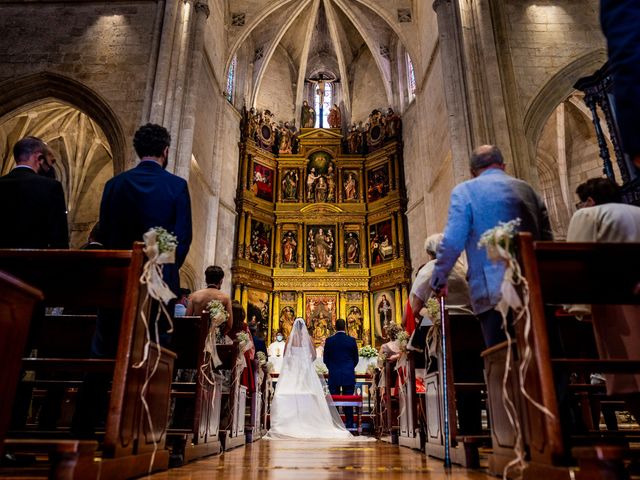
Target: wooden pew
{"type": "Point", "coordinates": [194, 431]}
{"type": "Point", "coordinates": [17, 303]}
{"type": "Point", "coordinates": [256, 419]}
{"type": "Point", "coordinates": [389, 408]}
{"type": "Point", "coordinates": [234, 400]}
{"type": "Point", "coordinates": [567, 273]}
{"type": "Point", "coordinates": [409, 434]}
{"type": "Point", "coordinates": [102, 279]}
{"type": "Point", "coordinates": [464, 347]}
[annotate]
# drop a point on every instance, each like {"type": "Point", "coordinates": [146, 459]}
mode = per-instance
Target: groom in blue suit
{"type": "Point", "coordinates": [341, 357]}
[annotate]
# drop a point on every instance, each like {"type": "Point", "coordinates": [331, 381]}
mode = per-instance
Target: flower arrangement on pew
{"type": "Point", "coordinates": [368, 352]}
{"type": "Point", "coordinates": [501, 247]}
{"type": "Point", "coordinates": [160, 249]}
{"type": "Point", "coordinates": [434, 335]}
{"type": "Point", "coordinates": [321, 368]}
{"type": "Point", "coordinates": [218, 315]}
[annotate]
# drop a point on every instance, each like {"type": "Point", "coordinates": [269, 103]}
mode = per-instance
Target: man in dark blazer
{"type": "Point", "coordinates": [341, 357]}
{"type": "Point", "coordinates": [33, 212]}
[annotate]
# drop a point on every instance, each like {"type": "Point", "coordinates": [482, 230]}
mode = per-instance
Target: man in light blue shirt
{"type": "Point", "coordinates": [477, 205]}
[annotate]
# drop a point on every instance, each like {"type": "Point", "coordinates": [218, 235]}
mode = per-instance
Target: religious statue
{"type": "Point", "coordinates": [290, 185]}
{"type": "Point", "coordinates": [307, 115]}
{"type": "Point", "coordinates": [289, 248]}
{"type": "Point", "coordinates": [287, 316]}
{"type": "Point", "coordinates": [331, 184]}
{"type": "Point", "coordinates": [334, 118]}
{"type": "Point", "coordinates": [350, 187]}
{"type": "Point", "coordinates": [354, 322]}
{"type": "Point", "coordinates": [322, 249]}
{"type": "Point", "coordinates": [285, 139]}
{"type": "Point", "coordinates": [321, 190]}
{"type": "Point", "coordinates": [311, 180]}
{"type": "Point", "coordinates": [393, 124]}
{"type": "Point", "coordinates": [376, 255]}
{"type": "Point", "coordinates": [352, 248]}
{"type": "Point", "coordinates": [384, 310]}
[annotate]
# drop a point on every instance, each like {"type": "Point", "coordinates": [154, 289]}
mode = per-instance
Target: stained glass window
{"type": "Point", "coordinates": [326, 105]}
{"type": "Point", "coordinates": [411, 78]}
{"type": "Point", "coordinates": [231, 78]}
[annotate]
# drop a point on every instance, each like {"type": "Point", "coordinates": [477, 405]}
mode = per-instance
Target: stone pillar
{"type": "Point", "coordinates": [245, 297]}
{"type": "Point", "coordinates": [186, 122]}
{"type": "Point", "coordinates": [449, 28]}
{"type": "Point", "coordinates": [237, 293]}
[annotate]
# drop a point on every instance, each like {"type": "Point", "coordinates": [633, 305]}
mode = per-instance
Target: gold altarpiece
{"type": "Point", "coordinates": [321, 235]}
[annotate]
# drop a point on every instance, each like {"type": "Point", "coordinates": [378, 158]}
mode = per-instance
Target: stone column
{"type": "Point", "coordinates": [237, 293]}
{"type": "Point", "coordinates": [449, 28]}
{"type": "Point", "coordinates": [186, 123]}
{"type": "Point", "coordinates": [245, 297]}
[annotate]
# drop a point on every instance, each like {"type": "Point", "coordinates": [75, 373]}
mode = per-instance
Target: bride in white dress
{"type": "Point", "coordinates": [300, 408]}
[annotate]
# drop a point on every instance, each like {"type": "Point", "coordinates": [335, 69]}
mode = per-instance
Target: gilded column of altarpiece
{"type": "Point", "coordinates": [321, 235]}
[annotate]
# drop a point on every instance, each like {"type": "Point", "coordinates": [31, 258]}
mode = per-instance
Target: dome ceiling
{"type": "Point", "coordinates": [320, 37]}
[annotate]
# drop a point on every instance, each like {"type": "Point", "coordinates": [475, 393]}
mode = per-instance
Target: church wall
{"type": "Point", "coordinates": [276, 90]}
{"type": "Point", "coordinates": [546, 36]}
{"type": "Point", "coordinates": [105, 47]}
{"type": "Point", "coordinates": [368, 90]}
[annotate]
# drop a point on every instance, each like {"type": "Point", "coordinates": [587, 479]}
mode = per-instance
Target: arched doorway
{"type": "Point", "coordinates": [83, 153]}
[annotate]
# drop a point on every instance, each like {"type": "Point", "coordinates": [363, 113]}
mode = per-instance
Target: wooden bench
{"type": "Point", "coordinates": [464, 382]}
{"type": "Point", "coordinates": [194, 430]}
{"type": "Point", "coordinates": [256, 426]}
{"type": "Point", "coordinates": [409, 434]}
{"type": "Point", "coordinates": [100, 279]}
{"type": "Point", "coordinates": [234, 400]}
{"type": "Point", "coordinates": [389, 404]}
{"type": "Point", "coordinates": [568, 273]}
{"type": "Point", "coordinates": [17, 303]}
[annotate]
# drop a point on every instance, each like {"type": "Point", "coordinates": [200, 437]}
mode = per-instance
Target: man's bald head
{"type": "Point", "coordinates": [484, 157]}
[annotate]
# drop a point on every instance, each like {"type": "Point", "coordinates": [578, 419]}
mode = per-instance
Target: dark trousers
{"type": "Point", "coordinates": [93, 396]}
{"type": "Point", "coordinates": [348, 411]}
{"type": "Point", "coordinates": [491, 325]}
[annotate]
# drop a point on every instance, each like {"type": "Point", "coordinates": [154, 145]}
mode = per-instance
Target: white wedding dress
{"type": "Point", "coordinates": [300, 408]}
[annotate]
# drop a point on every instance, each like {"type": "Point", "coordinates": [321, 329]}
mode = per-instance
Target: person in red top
{"type": "Point", "coordinates": [239, 325]}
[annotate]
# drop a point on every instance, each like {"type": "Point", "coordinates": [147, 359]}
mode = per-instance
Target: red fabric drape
{"type": "Point", "coordinates": [411, 320]}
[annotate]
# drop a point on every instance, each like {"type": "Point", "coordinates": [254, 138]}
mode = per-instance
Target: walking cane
{"type": "Point", "coordinates": [445, 385]}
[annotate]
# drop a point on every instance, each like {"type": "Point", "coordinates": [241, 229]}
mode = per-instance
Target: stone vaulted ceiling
{"type": "Point", "coordinates": [320, 36]}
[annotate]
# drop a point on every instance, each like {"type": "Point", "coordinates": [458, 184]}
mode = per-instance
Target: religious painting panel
{"type": "Point", "coordinates": [289, 248]}
{"type": "Point", "coordinates": [260, 246]}
{"type": "Point", "coordinates": [380, 242]}
{"type": "Point", "coordinates": [258, 309]}
{"type": "Point", "coordinates": [290, 185]}
{"type": "Point", "coordinates": [321, 248]}
{"type": "Point", "coordinates": [355, 324]}
{"type": "Point", "coordinates": [321, 178]}
{"type": "Point", "coordinates": [352, 245]}
{"type": "Point", "coordinates": [321, 314]}
{"type": "Point", "coordinates": [378, 183]}
{"type": "Point", "coordinates": [262, 182]}
{"type": "Point", "coordinates": [350, 188]}
{"type": "Point", "coordinates": [286, 319]}
{"type": "Point", "coordinates": [288, 297]}
{"type": "Point", "coordinates": [383, 311]}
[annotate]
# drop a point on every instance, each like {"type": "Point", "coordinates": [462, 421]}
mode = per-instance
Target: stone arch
{"type": "Point", "coordinates": [30, 90]}
{"type": "Point", "coordinates": [188, 277]}
{"type": "Point", "coordinates": [558, 89]}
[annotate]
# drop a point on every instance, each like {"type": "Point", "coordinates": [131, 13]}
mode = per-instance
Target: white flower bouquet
{"type": "Point", "coordinates": [499, 240]}
{"type": "Point", "coordinates": [160, 245]}
{"type": "Point", "coordinates": [262, 358]}
{"type": "Point", "coordinates": [433, 309]}
{"type": "Point", "coordinates": [368, 352]}
{"type": "Point", "coordinates": [269, 367]}
{"type": "Point", "coordinates": [403, 340]}
{"type": "Point", "coordinates": [321, 368]}
{"type": "Point", "coordinates": [217, 312]}
{"type": "Point", "coordinates": [244, 339]}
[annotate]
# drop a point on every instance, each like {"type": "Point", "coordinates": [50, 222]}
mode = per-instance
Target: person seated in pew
{"type": "Point", "coordinates": [180, 309]}
{"type": "Point", "coordinates": [602, 217]}
{"type": "Point", "coordinates": [200, 298]}
{"type": "Point", "coordinates": [239, 325]}
{"type": "Point", "coordinates": [258, 342]}
{"type": "Point", "coordinates": [467, 365]}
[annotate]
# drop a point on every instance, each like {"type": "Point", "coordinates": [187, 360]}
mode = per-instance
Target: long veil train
{"type": "Point", "coordinates": [301, 407]}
